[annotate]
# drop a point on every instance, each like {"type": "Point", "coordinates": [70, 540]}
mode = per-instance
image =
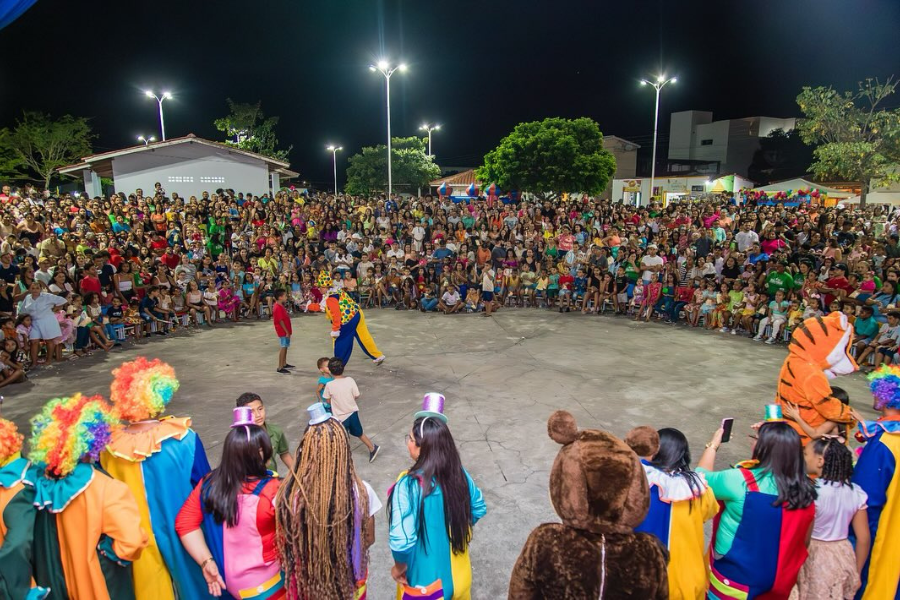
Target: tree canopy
{"type": "Point", "coordinates": [550, 157]}
{"type": "Point", "coordinates": [858, 139]}
{"type": "Point", "coordinates": [411, 167]}
{"type": "Point", "coordinates": [247, 127]}
{"type": "Point", "coordinates": [37, 145]}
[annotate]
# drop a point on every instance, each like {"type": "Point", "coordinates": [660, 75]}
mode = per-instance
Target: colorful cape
{"type": "Point", "coordinates": [86, 533]}
{"type": "Point", "coordinates": [876, 473]}
{"type": "Point", "coordinates": [161, 466]}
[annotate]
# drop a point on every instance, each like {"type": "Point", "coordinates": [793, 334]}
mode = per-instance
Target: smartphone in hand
{"type": "Point", "coordinates": [727, 425]}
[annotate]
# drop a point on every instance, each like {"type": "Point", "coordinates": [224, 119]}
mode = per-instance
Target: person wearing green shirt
{"type": "Point", "coordinates": [276, 435]}
{"type": "Point", "coordinates": [779, 279]}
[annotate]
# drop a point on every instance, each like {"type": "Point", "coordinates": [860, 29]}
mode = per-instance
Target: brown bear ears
{"type": "Point", "coordinates": [561, 427]}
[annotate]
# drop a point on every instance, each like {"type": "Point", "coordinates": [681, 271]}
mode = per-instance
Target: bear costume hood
{"type": "Point", "coordinates": [597, 483]}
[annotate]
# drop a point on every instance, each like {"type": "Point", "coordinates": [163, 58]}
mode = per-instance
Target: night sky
{"type": "Point", "coordinates": [476, 67]}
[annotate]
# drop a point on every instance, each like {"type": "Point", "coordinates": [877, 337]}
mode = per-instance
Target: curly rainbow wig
{"type": "Point", "coordinates": [68, 430]}
{"type": "Point", "coordinates": [10, 440]}
{"type": "Point", "coordinates": [142, 388]}
{"type": "Point", "coordinates": [885, 385]}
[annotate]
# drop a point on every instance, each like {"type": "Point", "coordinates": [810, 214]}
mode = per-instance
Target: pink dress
{"type": "Point", "coordinates": [66, 327]}
{"type": "Point", "coordinates": [228, 301]}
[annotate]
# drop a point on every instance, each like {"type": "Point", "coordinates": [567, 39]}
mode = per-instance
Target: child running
{"type": "Point", "coordinates": [342, 393]}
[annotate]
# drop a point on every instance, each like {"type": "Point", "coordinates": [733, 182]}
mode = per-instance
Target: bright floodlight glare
{"type": "Point", "coordinates": [372, 68]}
{"type": "Point", "coordinates": [140, 138]}
{"type": "Point", "coordinates": [152, 138]}
{"type": "Point", "coordinates": [149, 94]}
{"type": "Point", "coordinates": [644, 82]}
{"type": "Point", "coordinates": [167, 95]}
{"type": "Point", "coordinates": [383, 65]}
{"type": "Point", "coordinates": [402, 67]}
{"type": "Point", "coordinates": [660, 79]}
{"type": "Point", "coordinates": [340, 148]}
{"type": "Point", "coordinates": [437, 126]}
{"type": "Point", "coordinates": [330, 148]}
{"type": "Point", "coordinates": [673, 80]}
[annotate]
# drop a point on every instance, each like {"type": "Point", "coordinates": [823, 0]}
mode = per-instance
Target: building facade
{"type": "Point", "coordinates": [188, 166]}
{"type": "Point", "coordinates": [694, 136]}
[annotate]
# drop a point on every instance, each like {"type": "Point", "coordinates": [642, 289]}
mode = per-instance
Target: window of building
{"type": "Point", "coordinates": [180, 179]}
{"type": "Point", "coordinates": [706, 142]}
{"type": "Point", "coordinates": [212, 179]}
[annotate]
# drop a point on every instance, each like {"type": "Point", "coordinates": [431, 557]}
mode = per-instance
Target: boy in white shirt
{"type": "Point", "coordinates": [450, 301]}
{"type": "Point", "coordinates": [341, 392]}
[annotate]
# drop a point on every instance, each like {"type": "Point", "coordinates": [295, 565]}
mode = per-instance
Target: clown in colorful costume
{"type": "Point", "coordinates": [160, 461]}
{"type": "Point", "coordinates": [347, 322]}
{"type": "Point", "coordinates": [87, 529]}
{"type": "Point", "coordinates": [819, 350]}
{"type": "Point", "coordinates": [676, 516]}
{"type": "Point", "coordinates": [877, 474]}
{"type": "Point", "coordinates": [16, 518]}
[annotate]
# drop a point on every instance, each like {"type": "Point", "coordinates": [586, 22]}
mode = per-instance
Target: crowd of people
{"type": "Point", "coordinates": [114, 500]}
{"type": "Point", "coordinates": [83, 273]}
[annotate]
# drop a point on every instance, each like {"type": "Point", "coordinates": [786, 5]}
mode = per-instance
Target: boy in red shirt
{"type": "Point", "coordinates": [282, 321]}
{"type": "Point", "coordinates": [566, 285]}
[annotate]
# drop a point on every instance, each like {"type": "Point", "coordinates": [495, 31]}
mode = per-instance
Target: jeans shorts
{"type": "Point", "coordinates": [353, 425]}
{"type": "Point", "coordinates": [285, 341]}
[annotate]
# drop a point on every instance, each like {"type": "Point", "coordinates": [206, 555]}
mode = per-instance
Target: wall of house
{"type": "Point", "coordinates": [190, 169]}
{"type": "Point", "coordinates": [683, 132]}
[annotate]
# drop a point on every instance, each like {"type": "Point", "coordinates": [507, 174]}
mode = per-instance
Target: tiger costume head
{"type": "Point", "coordinates": [825, 342]}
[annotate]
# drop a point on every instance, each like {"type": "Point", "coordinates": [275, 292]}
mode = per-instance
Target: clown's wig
{"type": "Point", "coordinates": [68, 431]}
{"type": "Point", "coordinates": [885, 385]}
{"type": "Point", "coordinates": [142, 388]}
{"type": "Point", "coordinates": [10, 440]}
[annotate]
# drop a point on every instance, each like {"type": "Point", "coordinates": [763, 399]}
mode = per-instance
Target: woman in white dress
{"type": "Point", "coordinates": [41, 306]}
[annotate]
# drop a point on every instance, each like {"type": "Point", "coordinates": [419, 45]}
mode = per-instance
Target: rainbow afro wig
{"type": "Point", "coordinates": [142, 388]}
{"type": "Point", "coordinates": [69, 430]}
{"type": "Point", "coordinates": [885, 385]}
{"type": "Point", "coordinates": [10, 440]}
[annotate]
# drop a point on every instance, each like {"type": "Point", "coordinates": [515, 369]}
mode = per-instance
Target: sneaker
{"type": "Point", "coordinates": [770, 341]}
{"type": "Point", "coordinates": [723, 330]}
{"type": "Point", "coordinates": [374, 453]}
{"type": "Point", "coordinates": [378, 361]}
{"type": "Point", "coordinates": [734, 332]}
{"type": "Point", "coordinates": [757, 339]}
{"type": "Point", "coordinates": [287, 366]}
{"type": "Point", "coordinates": [283, 371]}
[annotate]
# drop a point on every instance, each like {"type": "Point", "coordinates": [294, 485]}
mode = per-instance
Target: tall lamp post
{"type": "Point", "coordinates": [146, 140]}
{"type": "Point", "coordinates": [384, 67]}
{"type": "Point", "coordinates": [159, 100]}
{"type": "Point", "coordinates": [659, 84]}
{"type": "Point", "coordinates": [429, 129]}
{"type": "Point", "coordinates": [334, 150]}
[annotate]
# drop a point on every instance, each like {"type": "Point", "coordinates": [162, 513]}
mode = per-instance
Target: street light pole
{"type": "Point", "coordinates": [146, 140]}
{"type": "Point", "coordinates": [659, 84]}
{"type": "Point", "coordinates": [385, 69]}
{"type": "Point", "coordinates": [429, 129]}
{"type": "Point", "coordinates": [159, 100]}
{"type": "Point", "coordinates": [334, 150]}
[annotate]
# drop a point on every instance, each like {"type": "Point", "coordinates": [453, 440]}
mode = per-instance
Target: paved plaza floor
{"type": "Point", "coordinates": [502, 377]}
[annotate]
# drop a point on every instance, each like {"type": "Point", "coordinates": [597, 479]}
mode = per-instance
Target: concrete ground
{"type": "Point", "coordinates": [502, 378]}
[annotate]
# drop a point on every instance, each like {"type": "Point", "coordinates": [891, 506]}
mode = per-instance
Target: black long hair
{"type": "Point", "coordinates": [245, 453]}
{"type": "Point", "coordinates": [439, 461]}
{"type": "Point", "coordinates": [779, 452]}
{"type": "Point", "coordinates": [838, 460]}
{"type": "Point", "coordinates": [674, 458]}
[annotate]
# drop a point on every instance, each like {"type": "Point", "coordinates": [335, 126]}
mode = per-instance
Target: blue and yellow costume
{"type": "Point", "coordinates": [877, 474]}
{"type": "Point", "coordinates": [347, 322]}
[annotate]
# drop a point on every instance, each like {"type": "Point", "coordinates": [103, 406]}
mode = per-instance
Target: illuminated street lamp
{"type": "Point", "coordinates": [384, 67]}
{"type": "Point", "coordinates": [659, 84]}
{"type": "Point", "coordinates": [146, 140]}
{"type": "Point", "coordinates": [159, 100]}
{"type": "Point", "coordinates": [429, 129]}
{"type": "Point", "coordinates": [334, 150]}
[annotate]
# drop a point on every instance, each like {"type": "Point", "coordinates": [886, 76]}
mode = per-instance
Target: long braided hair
{"type": "Point", "coordinates": [322, 507]}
